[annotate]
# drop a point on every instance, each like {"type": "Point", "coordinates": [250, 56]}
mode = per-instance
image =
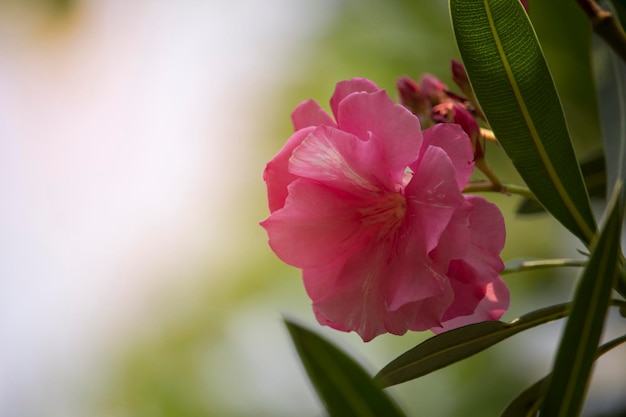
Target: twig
{"type": "Point", "coordinates": [606, 26]}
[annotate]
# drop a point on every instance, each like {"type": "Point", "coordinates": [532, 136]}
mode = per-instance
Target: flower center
{"type": "Point", "coordinates": [385, 214]}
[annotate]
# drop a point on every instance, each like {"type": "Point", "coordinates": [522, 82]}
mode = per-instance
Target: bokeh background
{"type": "Point", "coordinates": [134, 278]}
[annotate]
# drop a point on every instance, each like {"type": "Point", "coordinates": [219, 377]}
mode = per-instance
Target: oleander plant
{"type": "Point", "coordinates": [383, 204]}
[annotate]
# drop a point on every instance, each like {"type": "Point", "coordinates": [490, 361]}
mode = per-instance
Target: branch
{"type": "Point", "coordinates": [606, 26]}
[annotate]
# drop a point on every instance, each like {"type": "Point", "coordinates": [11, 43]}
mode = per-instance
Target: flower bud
{"type": "Point", "coordinates": [434, 89]}
{"type": "Point", "coordinates": [458, 114]}
{"type": "Point", "coordinates": [413, 98]}
{"type": "Point", "coordinates": [443, 113]}
{"type": "Point", "coordinates": [459, 76]}
{"type": "Point", "coordinates": [525, 4]}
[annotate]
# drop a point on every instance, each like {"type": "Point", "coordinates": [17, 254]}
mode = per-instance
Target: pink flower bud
{"type": "Point", "coordinates": [457, 113]}
{"type": "Point", "coordinates": [525, 4]}
{"type": "Point", "coordinates": [434, 89]}
{"type": "Point", "coordinates": [466, 120]}
{"type": "Point", "coordinates": [459, 76]}
{"type": "Point", "coordinates": [412, 96]}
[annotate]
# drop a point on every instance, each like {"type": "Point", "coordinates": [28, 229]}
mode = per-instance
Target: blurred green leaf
{"type": "Point", "coordinates": [458, 344]}
{"type": "Point", "coordinates": [611, 78]}
{"type": "Point", "coordinates": [515, 89]}
{"type": "Point", "coordinates": [572, 367]}
{"type": "Point", "coordinates": [526, 404]}
{"type": "Point", "coordinates": [594, 174]}
{"type": "Point", "coordinates": [342, 384]}
{"type": "Point", "coordinates": [566, 46]}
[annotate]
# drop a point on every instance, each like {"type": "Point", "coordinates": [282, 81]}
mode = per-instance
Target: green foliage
{"type": "Point", "coordinates": [458, 344]}
{"type": "Point", "coordinates": [611, 80]}
{"type": "Point", "coordinates": [515, 89]}
{"type": "Point", "coordinates": [572, 367]}
{"type": "Point", "coordinates": [342, 384]}
{"type": "Point", "coordinates": [593, 168]}
{"type": "Point", "coordinates": [526, 404]}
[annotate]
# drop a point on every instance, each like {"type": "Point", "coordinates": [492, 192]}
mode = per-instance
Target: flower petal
{"type": "Point", "coordinates": [310, 113]}
{"type": "Point", "coordinates": [430, 311]}
{"type": "Point", "coordinates": [432, 196]}
{"type": "Point", "coordinates": [352, 297]}
{"type": "Point", "coordinates": [487, 224]}
{"type": "Point", "coordinates": [315, 227]}
{"type": "Point", "coordinates": [337, 159]}
{"type": "Point", "coordinates": [276, 174]}
{"type": "Point", "coordinates": [457, 145]}
{"type": "Point", "coordinates": [344, 88]}
{"type": "Point", "coordinates": [492, 306]}
{"type": "Point", "coordinates": [394, 129]}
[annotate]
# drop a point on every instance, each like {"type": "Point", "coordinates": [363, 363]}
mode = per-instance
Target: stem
{"type": "Point", "coordinates": [508, 189]}
{"type": "Point", "coordinates": [484, 167]}
{"type": "Point", "coordinates": [528, 265]}
{"type": "Point", "coordinates": [606, 26]}
{"type": "Point", "coordinates": [488, 135]}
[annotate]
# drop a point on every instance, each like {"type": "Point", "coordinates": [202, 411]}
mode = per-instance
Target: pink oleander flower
{"type": "Point", "coordinates": [370, 208]}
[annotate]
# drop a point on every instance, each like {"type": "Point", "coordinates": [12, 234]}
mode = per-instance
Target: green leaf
{"type": "Point", "coordinates": [343, 385]}
{"type": "Point", "coordinates": [594, 174]}
{"type": "Point", "coordinates": [527, 402]}
{"type": "Point", "coordinates": [567, 46]}
{"type": "Point", "coordinates": [458, 344]}
{"type": "Point", "coordinates": [611, 81]}
{"type": "Point", "coordinates": [515, 89]}
{"type": "Point", "coordinates": [576, 353]}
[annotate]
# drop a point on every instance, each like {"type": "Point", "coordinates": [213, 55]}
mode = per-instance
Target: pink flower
{"type": "Point", "coordinates": [370, 208]}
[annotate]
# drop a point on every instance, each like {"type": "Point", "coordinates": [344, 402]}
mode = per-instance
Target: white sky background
{"type": "Point", "coordinates": [124, 135]}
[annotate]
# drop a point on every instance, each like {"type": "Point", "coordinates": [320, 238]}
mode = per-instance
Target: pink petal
{"type": "Point", "coordinates": [394, 129]}
{"type": "Point", "coordinates": [337, 159]}
{"type": "Point", "coordinates": [429, 314]}
{"type": "Point", "coordinates": [408, 282]}
{"type": "Point", "coordinates": [457, 145]}
{"type": "Point", "coordinates": [480, 293]}
{"type": "Point", "coordinates": [432, 196]}
{"type": "Point", "coordinates": [491, 307]}
{"type": "Point", "coordinates": [345, 88]}
{"type": "Point", "coordinates": [487, 224]}
{"type": "Point", "coordinates": [276, 173]}
{"type": "Point", "coordinates": [352, 297]}
{"type": "Point", "coordinates": [309, 113]}
{"type": "Point", "coordinates": [456, 239]}
{"type": "Point", "coordinates": [468, 294]}
{"type": "Point", "coordinates": [315, 227]}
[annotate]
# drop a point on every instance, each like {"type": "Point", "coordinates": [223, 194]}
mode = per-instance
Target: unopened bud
{"type": "Point", "coordinates": [434, 89]}
{"type": "Point", "coordinates": [466, 120]}
{"type": "Point", "coordinates": [443, 113]}
{"type": "Point", "coordinates": [412, 97]}
{"type": "Point", "coordinates": [459, 76]}
{"type": "Point", "coordinates": [525, 4]}
{"type": "Point", "coordinates": [457, 113]}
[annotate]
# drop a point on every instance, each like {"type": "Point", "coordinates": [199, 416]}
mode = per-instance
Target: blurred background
{"type": "Point", "coordinates": [134, 278]}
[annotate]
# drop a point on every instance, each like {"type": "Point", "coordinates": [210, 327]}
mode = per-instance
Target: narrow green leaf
{"type": "Point", "coordinates": [593, 168]}
{"type": "Point", "coordinates": [611, 81]}
{"type": "Point", "coordinates": [526, 404]}
{"type": "Point", "coordinates": [343, 385]}
{"type": "Point", "coordinates": [567, 46]}
{"type": "Point", "coordinates": [572, 366]}
{"type": "Point", "coordinates": [452, 346]}
{"type": "Point", "coordinates": [515, 89]}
